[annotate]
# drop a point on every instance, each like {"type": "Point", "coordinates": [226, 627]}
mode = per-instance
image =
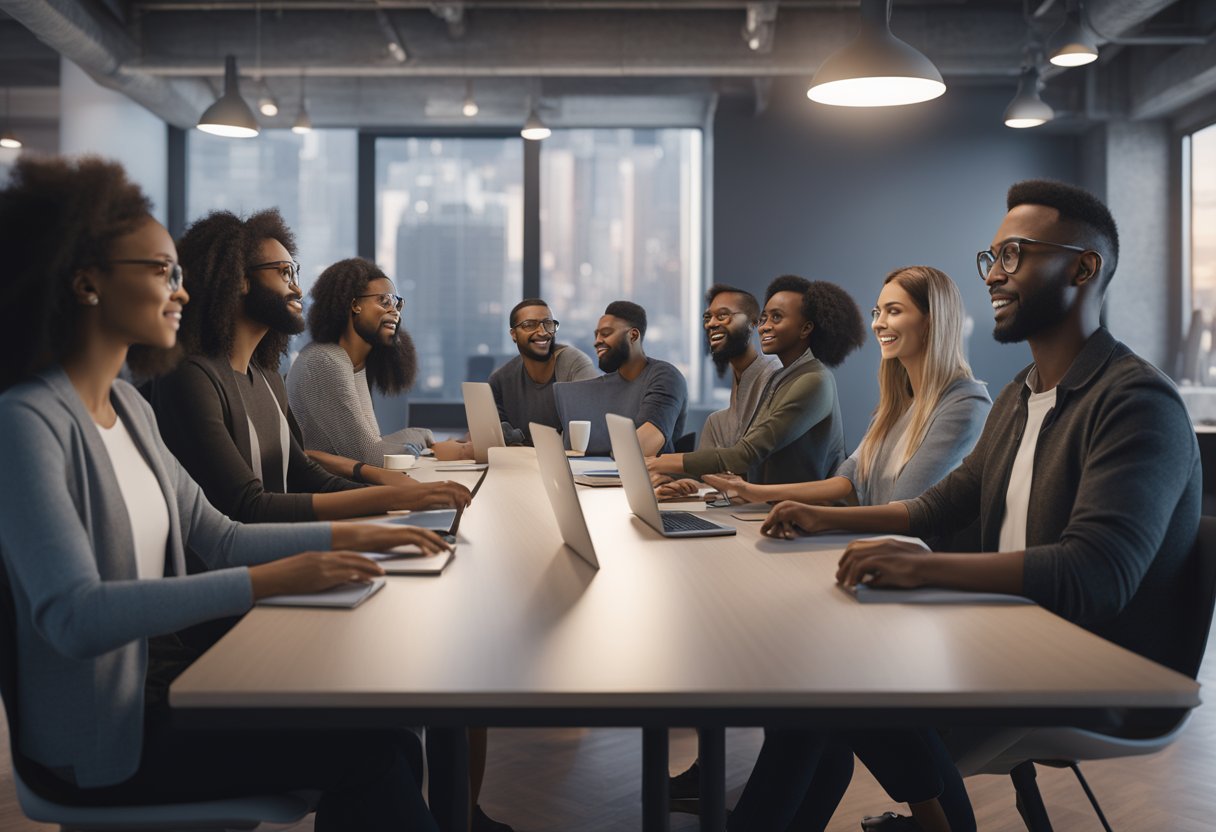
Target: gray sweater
{"type": "Point", "coordinates": [521, 400]}
{"type": "Point", "coordinates": [83, 618]}
{"type": "Point", "coordinates": [1114, 498]}
{"type": "Point", "coordinates": [953, 429]}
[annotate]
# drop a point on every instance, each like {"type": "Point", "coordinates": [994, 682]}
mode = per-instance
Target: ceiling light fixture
{"type": "Point", "coordinates": [267, 105]}
{"type": "Point", "coordinates": [230, 116]}
{"type": "Point", "coordinates": [1072, 44]}
{"type": "Point", "coordinates": [1027, 109]}
{"type": "Point", "coordinates": [877, 69]}
{"type": "Point", "coordinates": [396, 46]}
{"type": "Point", "coordinates": [8, 139]}
{"type": "Point", "coordinates": [534, 129]}
{"type": "Point", "coordinates": [302, 124]}
{"type": "Point", "coordinates": [759, 26]}
{"type": "Point", "coordinates": [470, 107]}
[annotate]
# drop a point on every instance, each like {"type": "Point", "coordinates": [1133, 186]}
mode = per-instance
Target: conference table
{"type": "Point", "coordinates": [703, 633]}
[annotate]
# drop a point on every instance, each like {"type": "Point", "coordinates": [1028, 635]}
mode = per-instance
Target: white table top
{"type": "Point", "coordinates": [519, 621]}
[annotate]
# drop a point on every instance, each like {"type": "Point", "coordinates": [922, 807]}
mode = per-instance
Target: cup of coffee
{"type": "Point", "coordinates": [399, 462]}
{"type": "Point", "coordinates": [579, 432]}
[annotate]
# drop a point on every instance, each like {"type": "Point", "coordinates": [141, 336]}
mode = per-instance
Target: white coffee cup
{"type": "Point", "coordinates": [399, 462]}
{"type": "Point", "coordinates": [580, 435]}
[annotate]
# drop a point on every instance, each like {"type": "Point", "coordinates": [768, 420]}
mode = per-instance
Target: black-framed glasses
{"type": "Point", "coordinates": [720, 316]}
{"type": "Point", "coordinates": [531, 325]}
{"type": "Point", "coordinates": [288, 270]}
{"type": "Point", "coordinates": [1010, 255]}
{"type": "Point", "coordinates": [386, 300]}
{"type": "Point", "coordinates": [168, 270]}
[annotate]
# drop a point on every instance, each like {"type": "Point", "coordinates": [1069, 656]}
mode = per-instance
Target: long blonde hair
{"type": "Point", "coordinates": [938, 298]}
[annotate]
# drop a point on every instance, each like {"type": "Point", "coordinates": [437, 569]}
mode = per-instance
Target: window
{"type": "Point", "coordinates": [1203, 221]}
{"type": "Point", "coordinates": [449, 231]}
{"type": "Point", "coordinates": [621, 220]}
{"type": "Point", "coordinates": [309, 178]}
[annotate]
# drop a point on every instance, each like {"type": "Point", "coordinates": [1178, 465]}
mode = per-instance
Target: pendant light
{"type": "Point", "coordinates": [1072, 44]}
{"type": "Point", "coordinates": [8, 139]}
{"type": "Point", "coordinates": [230, 116]}
{"type": "Point", "coordinates": [470, 107]}
{"type": "Point", "coordinates": [534, 129]}
{"type": "Point", "coordinates": [267, 105]}
{"type": "Point", "coordinates": [1027, 109]}
{"type": "Point", "coordinates": [877, 69]}
{"type": "Point", "coordinates": [302, 124]}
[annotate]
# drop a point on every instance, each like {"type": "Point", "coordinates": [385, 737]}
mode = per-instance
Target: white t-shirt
{"type": "Point", "coordinates": [1017, 496]}
{"type": "Point", "coordinates": [145, 501]}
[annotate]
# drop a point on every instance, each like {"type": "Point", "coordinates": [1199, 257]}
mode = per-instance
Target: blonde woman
{"type": "Point", "coordinates": [930, 408]}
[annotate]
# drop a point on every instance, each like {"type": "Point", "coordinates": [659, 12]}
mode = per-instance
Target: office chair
{"type": "Point", "coordinates": [586, 400]}
{"type": "Point", "coordinates": [232, 813]}
{"type": "Point", "coordinates": [685, 444]}
{"type": "Point", "coordinates": [1066, 747]}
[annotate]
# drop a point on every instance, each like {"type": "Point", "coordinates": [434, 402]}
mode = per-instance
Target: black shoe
{"type": "Point", "coordinates": [889, 822]}
{"type": "Point", "coordinates": [684, 791]}
{"type": "Point", "coordinates": [484, 823]}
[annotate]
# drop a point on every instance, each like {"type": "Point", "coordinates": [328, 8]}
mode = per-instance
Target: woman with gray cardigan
{"type": "Point", "coordinates": [95, 515]}
{"type": "Point", "coordinates": [930, 408]}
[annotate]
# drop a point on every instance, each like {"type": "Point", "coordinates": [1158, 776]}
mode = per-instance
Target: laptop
{"type": "Point", "coordinates": [563, 497]}
{"type": "Point", "coordinates": [481, 412]}
{"type": "Point", "coordinates": [445, 521]}
{"type": "Point", "coordinates": [639, 492]}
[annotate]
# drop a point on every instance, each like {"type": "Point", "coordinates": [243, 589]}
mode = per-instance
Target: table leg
{"type": "Point", "coordinates": [447, 756]}
{"type": "Point", "coordinates": [655, 816]}
{"type": "Point", "coordinates": [711, 749]}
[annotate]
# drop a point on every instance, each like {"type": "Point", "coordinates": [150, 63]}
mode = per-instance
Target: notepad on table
{"type": "Point", "coordinates": [933, 595]}
{"type": "Point", "coordinates": [411, 560]}
{"type": "Point", "coordinates": [346, 596]}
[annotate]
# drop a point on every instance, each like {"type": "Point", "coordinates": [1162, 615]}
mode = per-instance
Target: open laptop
{"type": "Point", "coordinates": [636, 479]}
{"type": "Point", "coordinates": [480, 410]}
{"type": "Point", "coordinates": [444, 521]}
{"type": "Point", "coordinates": [563, 496]}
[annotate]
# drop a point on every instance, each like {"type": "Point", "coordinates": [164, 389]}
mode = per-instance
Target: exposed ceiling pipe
{"type": "Point", "coordinates": [513, 5]}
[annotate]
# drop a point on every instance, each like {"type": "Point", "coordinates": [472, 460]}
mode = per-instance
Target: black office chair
{"type": "Point", "coordinates": [686, 443]}
{"type": "Point", "coordinates": [1066, 747]}
{"type": "Point", "coordinates": [35, 786]}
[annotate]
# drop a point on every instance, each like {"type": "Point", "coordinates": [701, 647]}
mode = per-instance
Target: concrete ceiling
{"type": "Point", "coordinates": [587, 62]}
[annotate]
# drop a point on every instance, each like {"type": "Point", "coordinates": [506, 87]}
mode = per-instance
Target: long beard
{"type": "Point", "coordinates": [268, 307]}
{"type": "Point", "coordinates": [615, 358]}
{"type": "Point", "coordinates": [736, 344]}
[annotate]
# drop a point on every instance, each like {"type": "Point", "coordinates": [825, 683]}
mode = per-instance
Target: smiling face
{"type": "Point", "coordinates": [376, 321]}
{"type": "Point", "coordinates": [613, 342]}
{"type": "Point", "coordinates": [783, 330]}
{"type": "Point", "coordinates": [272, 300]}
{"type": "Point", "coordinates": [134, 302]}
{"type": "Point", "coordinates": [1040, 294]}
{"type": "Point", "coordinates": [730, 338]}
{"type": "Point", "coordinates": [537, 344]}
{"type": "Point", "coordinates": [901, 328]}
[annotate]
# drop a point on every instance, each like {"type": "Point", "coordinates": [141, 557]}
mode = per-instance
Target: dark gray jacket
{"type": "Point", "coordinates": [1114, 499]}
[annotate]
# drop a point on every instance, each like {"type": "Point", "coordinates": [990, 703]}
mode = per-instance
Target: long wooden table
{"type": "Point", "coordinates": [705, 632]}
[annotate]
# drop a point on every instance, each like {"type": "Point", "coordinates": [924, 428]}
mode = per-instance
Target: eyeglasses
{"type": "Point", "coordinates": [168, 270]}
{"type": "Point", "coordinates": [1010, 255]}
{"type": "Point", "coordinates": [386, 301]}
{"type": "Point", "coordinates": [721, 316]}
{"type": "Point", "coordinates": [289, 270]}
{"type": "Point", "coordinates": [531, 324]}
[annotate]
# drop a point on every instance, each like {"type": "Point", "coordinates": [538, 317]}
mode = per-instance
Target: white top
{"type": "Point", "coordinates": [145, 501]}
{"type": "Point", "coordinates": [1017, 496]}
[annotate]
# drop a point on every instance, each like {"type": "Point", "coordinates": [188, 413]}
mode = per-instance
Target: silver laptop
{"type": "Point", "coordinates": [485, 429]}
{"type": "Point", "coordinates": [636, 479]}
{"type": "Point", "coordinates": [563, 496]}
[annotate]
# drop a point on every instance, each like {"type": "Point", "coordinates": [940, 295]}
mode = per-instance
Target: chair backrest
{"type": "Point", "coordinates": [686, 444]}
{"type": "Point", "coordinates": [590, 401]}
{"type": "Point", "coordinates": [1201, 582]}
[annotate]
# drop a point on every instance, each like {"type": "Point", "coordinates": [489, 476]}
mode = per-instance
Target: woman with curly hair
{"type": "Point", "coordinates": [930, 408]}
{"type": "Point", "coordinates": [796, 432]}
{"type": "Point", "coordinates": [357, 343]}
{"type": "Point", "coordinates": [224, 412]}
{"type": "Point", "coordinates": [95, 518]}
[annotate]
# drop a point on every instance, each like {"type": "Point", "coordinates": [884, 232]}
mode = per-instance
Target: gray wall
{"type": "Point", "coordinates": [848, 195]}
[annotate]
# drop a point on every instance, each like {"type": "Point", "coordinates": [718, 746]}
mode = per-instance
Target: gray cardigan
{"type": "Point", "coordinates": [83, 617]}
{"type": "Point", "coordinates": [1114, 499]}
{"type": "Point", "coordinates": [953, 428]}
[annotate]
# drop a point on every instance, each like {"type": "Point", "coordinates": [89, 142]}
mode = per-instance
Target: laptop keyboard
{"type": "Point", "coordinates": [685, 521]}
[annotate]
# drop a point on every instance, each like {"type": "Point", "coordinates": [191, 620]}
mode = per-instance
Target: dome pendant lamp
{"type": "Point", "coordinates": [230, 116]}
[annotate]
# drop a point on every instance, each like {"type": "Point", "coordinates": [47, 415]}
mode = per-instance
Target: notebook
{"type": "Point", "coordinates": [344, 596]}
{"type": "Point", "coordinates": [410, 560]}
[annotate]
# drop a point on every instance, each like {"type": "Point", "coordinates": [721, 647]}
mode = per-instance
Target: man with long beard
{"type": "Point", "coordinates": [523, 387]}
{"type": "Point", "coordinates": [223, 412]}
{"type": "Point", "coordinates": [730, 319]}
{"type": "Point", "coordinates": [357, 343]}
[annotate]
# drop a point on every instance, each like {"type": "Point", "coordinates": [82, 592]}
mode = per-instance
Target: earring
{"type": "Point", "coordinates": [91, 300]}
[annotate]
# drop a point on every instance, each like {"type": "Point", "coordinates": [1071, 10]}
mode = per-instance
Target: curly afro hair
{"type": "Point", "coordinates": [57, 216]}
{"type": "Point", "coordinates": [390, 370]}
{"type": "Point", "coordinates": [839, 328]}
{"type": "Point", "coordinates": [215, 253]}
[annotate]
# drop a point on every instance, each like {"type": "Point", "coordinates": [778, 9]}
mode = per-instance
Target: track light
{"type": "Point", "coordinates": [229, 116]}
{"type": "Point", "coordinates": [877, 69]}
{"type": "Point", "coordinates": [1072, 44]}
{"type": "Point", "coordinates": [302, 124]}
{"type": "Point", "coordinates": [470, 107]}
{"type": "Point", "coordinates": [759, 26]}
{"type": "Point", "coordinates": [1027, 109]}
{"type": "Point", "coordinates": [267, 106]}
{"type": "Point", "coordinates": [534, 129]}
